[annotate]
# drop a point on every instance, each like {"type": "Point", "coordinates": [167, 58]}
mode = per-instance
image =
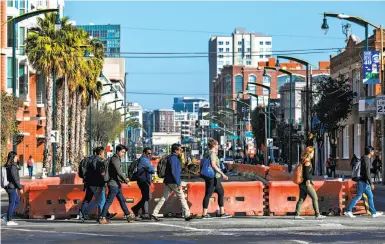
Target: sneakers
{"type": "Point", "coordinates": [192, 216]}
{"type": "Point", "coordinates": [154, 217]}
{"type": "Point", "coordinates": [111, 215]}
{"type": "Point", "coordinates": [299, 217]}
{"type": "Point", "coordinates": [12, 223]}
{"type": "Point", "coordinates": [103, 221]}
{"type": "Point", "coordinates": [207, 216]}
{"type": "Point", "coordinates": [349, 214]}
{"type": "Point", "coordinates": [320, 217]}
{"type": "Point", "coordinates": [378, 214]}
{"type": "Point", "coordinates": [225, 216]}
{"type": "Point", "coordinates": [129, 218]}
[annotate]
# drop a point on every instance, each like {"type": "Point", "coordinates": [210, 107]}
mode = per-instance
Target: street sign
{"type": "Point", "coordinates": [371, 67]}
{"type": "Point", "coordinates": [269, 142]}
{"type": "Point", "coordinates": [233, 137]}
{"type": "Point", "coordinates": [380, 105]}
{"type": "Point", "coordinates": [214, 126]}
{"type": "Point", "coordinates": [223, 140]}
{"type": "Point", "coordinates": [248, 134]}
{"type": "Point", "coordinates": [204, 122]}
{"type": "Point", "coordinates": [54, 136]}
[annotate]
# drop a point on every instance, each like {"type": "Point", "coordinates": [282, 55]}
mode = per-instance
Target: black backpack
{"type": "Point", "coordinates": [132, 173]}
{"type": "Point", "coordinates": [82, 170]}
{"type": "Point", "coordinates": [162, 165]}
{"type": "Point", "coordinates": [105, 170]}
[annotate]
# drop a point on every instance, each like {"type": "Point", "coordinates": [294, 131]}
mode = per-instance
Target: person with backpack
{"type": "Point", "coordinates": [377, 168]}
{"type": "Point", "coordinates": [114, 177]}
{"type": "Point", "coordinates": [95, 185]}
{"type": "Point", "coordinates": [144, 178]}
{"type": "Point", "coordinates": [30, 163]}
{"type": "Point", "coordinates": [354, 160]}
{"type": "Point", "coordinates": [333, 165]}
{"type": "Point", "coordinates": [12, 186]}
{"type": "Point", "coordinates": [306, 187]}
{"type": "Point", "coordinates": [169, 168]}
{"type": "Point", "coordinates": [361, 173]}
{"type": "Point", "coordinates": [212, 174]}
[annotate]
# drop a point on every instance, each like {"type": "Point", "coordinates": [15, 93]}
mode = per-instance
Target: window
{"type": "Point", "coordinates": [240, 62]}
{"type": "Point", "coordinates": [252, 88]}
{"type": "Point", "coordinates": [260, 43]}
{"type": "Point", "coordinates": [266, 82]}
{"type": "Point", "coordinates": [220, 43]}
{"type": "Point", "coordinates": [268, 43]}
{"type": "Point", "coordinates": [261, 50]}
{"type": "Point", "coordinates": [239, 49]}
{"type": "Point", "coordinates": [345, 142]}
{"type": "Point", "coordinates": [248, 56]}
{"type": "Point", "coordinates": [220, 56]}
{"type": "Point", "coordinates": [220, 50]}
{"type": "Point", "coordinates": [268, 56]}
{"type": "Point", "coordinates": [238, 83]}
{"type": "Point", "coordinates": [9, 72]}
{"type": "Point", "coordinates": [239, 43]}
{"type": "Point", "coordinates": [248, 62]}
{"type": "Point", "coordinates": [10, 3]}
{"type": "Point", "coordinates": [227, 62]}
{"type": "Point", "coordinates": [21, 40]}
{"type": "Point", "coordinates": [220, 63]}
{"type": "Point", "coordinates": [227, 50]}
{"type": "Point", "coordinates": [228, 84]}
{"type": "Point", "coordinates": [248, 49]}
{"type": "Point", "coordinates": [260, 56]}
{"type": "Point", "coordinates": [227, 43]}
{"type": "Point", "coordinates": [356, 84]}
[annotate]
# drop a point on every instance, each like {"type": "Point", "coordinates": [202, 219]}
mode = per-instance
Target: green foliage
{"type": "Point", "coordinates": [9, 107]}
{"type": "Point", "coordinates": [258, 125]}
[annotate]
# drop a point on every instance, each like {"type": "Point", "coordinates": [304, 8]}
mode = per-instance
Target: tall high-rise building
{"type": "Point", "coordinates": [148, 123]}
{"type": "Point", "coordinates": [136, 113]}
{"type": "Point", "coordinates": [188, 104]}
{"type": "Point", "coordinates": [109, 35]}
{"type": "Point", "coordinates": [240, 48]}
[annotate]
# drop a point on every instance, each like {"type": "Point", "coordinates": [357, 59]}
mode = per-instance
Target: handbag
{"type": "Point", "coordinates": [206, 169]}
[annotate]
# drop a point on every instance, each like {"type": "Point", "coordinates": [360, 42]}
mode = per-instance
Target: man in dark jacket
{"type": "Point", "coordinates": [145, 172]}
{"type": "Point", "coordinates": [172, 183]}
{"type": "Point", "coordinates": [115, 185]}
{"type": "Point", "coordinates": [364, 185]}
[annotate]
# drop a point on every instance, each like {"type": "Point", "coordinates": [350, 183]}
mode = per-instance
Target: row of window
{"type": "Point", "coordinates": [248, 42]}
{"type": "Point", "coordinates": [247, 56]}
{"type": "Point", "coordinates": [220, 50]}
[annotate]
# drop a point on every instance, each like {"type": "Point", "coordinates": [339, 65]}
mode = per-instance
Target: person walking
{"type": "Point", "coordinates": [214, 184]}
{"type": "Point", "coordinates": [116, 178]}
{"type": "Point", "coordinates": [13, 189]}
{"type": "Point", "coordinates": [145, 172]}
{"type": "Point", "coordinates": [364, 185]}
{"type": "Point", "coordinates": [95, 185]}
{"type": "Point", "coordinates": [30, 163]}
{"type": "Point", "coordinates": [377, 164]}
{"type": "Point", "coordinates": [172, 183]}
{"type": "Point", "coordinates": [307, 186]}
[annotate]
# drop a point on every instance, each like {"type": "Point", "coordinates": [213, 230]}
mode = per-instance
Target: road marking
{"type": "Point", "coordinates": [57, 232]}
{"type": "Point", "coordinates": [179, 226]}
{"type": "Point", "coordinates": [301, 242]}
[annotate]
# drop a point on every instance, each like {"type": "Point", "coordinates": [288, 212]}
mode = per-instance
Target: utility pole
{"type": "Point", "coordinates": [382, 76]}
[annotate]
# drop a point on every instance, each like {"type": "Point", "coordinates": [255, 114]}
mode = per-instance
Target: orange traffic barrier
{"type": "Point", "coordinates": [241, 198]}
{"type": "Point", "coordinates": [276, 175]}
{"type": "Point", "coordinates": [62, 201]}
{"type": "Point", "coordinates": [261, 170]}
{"type": "Point", "coordinates": [229, 166]}
{"type": "Point", "coordinates": [131, 194]}
{"type": "Point", "coordinates": [351, 192]}
{"type": "Point", "coordinates": [40, 182]}
{"type": "Point", "coordinates": [282, 197]}
{"type": "Point", "coordinates": [279, 167]}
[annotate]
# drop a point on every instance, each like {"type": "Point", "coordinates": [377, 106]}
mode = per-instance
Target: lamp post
{"type": "Point", "coordinates": [14, 21]}
{"type": "Point", "coordinates": [308, 97]}
{"type": "Point", "coordinates": [291, 108]}
{"type": "Point", "coordinates": [365, 24]}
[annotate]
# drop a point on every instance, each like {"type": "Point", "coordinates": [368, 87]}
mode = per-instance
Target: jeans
{"type": "Point", "coordinates": [100, 198]}
{"type": "Point", "coordinates": [14, 200]}
{"type": "Point", "coordinates": [30, 171]}
{"type": "Point", "coordinates": [363, 187]}
{"type": "Point", "coordinates": [305, 190]}
{"type": "Point", "coordinates": [211, 186]}
{"type": "Point", "coordinates": [98, 201]}
{"type": "Point", "coordinates": [146, 196]}
{"type": "Point", "coordinates": [115, 191]}
{"type": "Point", "coordinates": [168, 189]}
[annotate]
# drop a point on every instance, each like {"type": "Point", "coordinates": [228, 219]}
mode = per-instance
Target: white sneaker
{"type": "Point", "coordinates": [12, 223]}
{"type": "Point", "coordinates": [349, 214]}
{"type": "Point", "coordinates": [320, 217]}
{"type": "Point", "coordinates": [378, 214]}
{"type": "Point", "coordinates": [298, 217]}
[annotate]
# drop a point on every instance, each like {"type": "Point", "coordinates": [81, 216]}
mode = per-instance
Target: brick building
{"type": "Point", "coordinates": [352, 138]}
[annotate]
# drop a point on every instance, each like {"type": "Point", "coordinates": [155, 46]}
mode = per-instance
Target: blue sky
{"type": "Point", "coordinates": [293, 25]}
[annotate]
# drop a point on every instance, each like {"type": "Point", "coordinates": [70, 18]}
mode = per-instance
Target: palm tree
{"type": "Point", "coordinates": [45, 50]}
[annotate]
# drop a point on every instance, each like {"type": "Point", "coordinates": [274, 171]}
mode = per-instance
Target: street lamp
{"type": "Point", "coordinates": [291, 106]}
{"type": "Point", "coordinates": [308, 97]}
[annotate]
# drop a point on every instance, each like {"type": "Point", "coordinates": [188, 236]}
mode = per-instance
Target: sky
{"type": "Point", "coordinates": [187, 27]}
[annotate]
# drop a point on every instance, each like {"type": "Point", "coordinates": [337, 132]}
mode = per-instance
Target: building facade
{"type": "Point", "coordinates": [136, 113]}
{"type": "Point", "coordinates": [353, 137]}
{"type": "Point", "coordinates": [109, 35]}
{"type": "Point", "coordinates": [241, 48]}
{"type": "Point", "coordinates": [148, 124]}
{"type": "Point", "coordinates": [164, 120]}
{"type": "Point", "coordinates": [188, 104]}
{"type": "Point", "coordinates": [185, 124]}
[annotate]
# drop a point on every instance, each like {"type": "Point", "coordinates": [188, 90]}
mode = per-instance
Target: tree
{"type": "Point", "coordinates": [258, 124]}
{"type": "Point", "coordinates": [333, 104]}
{"type": "Point", "coordinates": [9, 107]}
